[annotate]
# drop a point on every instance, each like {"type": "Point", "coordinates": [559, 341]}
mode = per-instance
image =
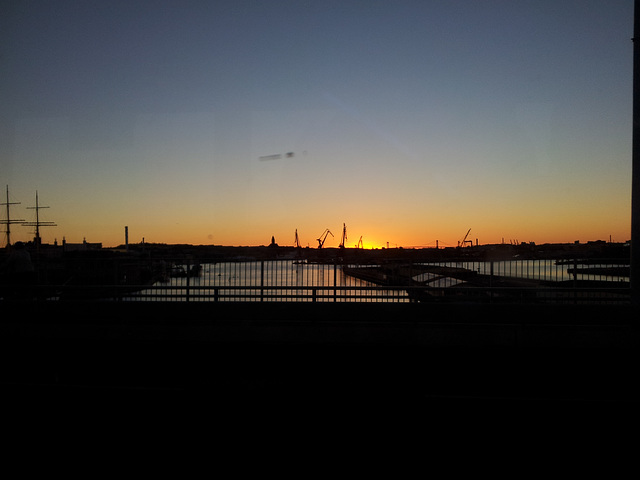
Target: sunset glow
{"type": "Point", "coordinates": [228, 123]}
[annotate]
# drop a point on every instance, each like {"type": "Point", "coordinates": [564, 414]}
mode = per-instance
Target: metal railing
{"type": "Point", "coordinates": [398, 294]}
{"type": "Point", "coordinates": [519, 281]}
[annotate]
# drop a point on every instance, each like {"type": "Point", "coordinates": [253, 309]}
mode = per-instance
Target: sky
{"type": "Point", "coordinates": [229, 122]}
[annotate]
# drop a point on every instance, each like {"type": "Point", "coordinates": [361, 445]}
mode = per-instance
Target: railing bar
{"type": "Point", "coordinates": [228, 280]}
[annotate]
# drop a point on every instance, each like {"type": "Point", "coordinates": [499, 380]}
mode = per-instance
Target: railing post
{"type": "Point", "coordinates": [575, 280]}
{"type": "Point", "coordinates": [491, 282]}
{"type": "Point", "coordinates": [335, 267]}
{"type": "Point", "coordinates": [261, 280]}
{"type": "Point", "coordinates": [188, 280]}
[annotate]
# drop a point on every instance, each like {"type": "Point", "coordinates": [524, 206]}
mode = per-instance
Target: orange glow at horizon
{"type": "Point", "coordinates": [491, 220]}
{"type": "Point", "coordinates": [113, 235]}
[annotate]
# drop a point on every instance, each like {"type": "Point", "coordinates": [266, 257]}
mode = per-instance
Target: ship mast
{"type": "Point", "coordinates": [38, 223]}
{"type": "Point", "coordinates": [8, 221]}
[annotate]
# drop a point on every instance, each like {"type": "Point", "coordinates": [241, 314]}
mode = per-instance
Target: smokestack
{"type": "Point", "coordinates": [126, 237]}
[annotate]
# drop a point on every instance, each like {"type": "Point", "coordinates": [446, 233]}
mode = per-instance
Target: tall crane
{"type": "Point", "coordinates": [344, 235]}
{"type": "Point", "coordinates": [296, 242]}
{"type": "Point", "coordinates": [464, 241]}
{"type": "Point", "coordinates": [359, 244]}
{"type": "Point", "coordinates": [323, 237]}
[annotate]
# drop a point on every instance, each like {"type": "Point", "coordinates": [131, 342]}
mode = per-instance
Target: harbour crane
{"type": "Point", "coordinates": [323, 237]}
{"type": "Point", "coordinates": [359, 244]}
{"type": "Point", "coordinates": [296, 242]}
{"type": "Point", "coordinates": [344, 235]}
{"type": "Point", "coordinates": [465, 241]}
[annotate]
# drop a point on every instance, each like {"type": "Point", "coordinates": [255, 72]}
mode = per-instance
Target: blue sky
{"type": "Point", "coordinates": [410, 121]}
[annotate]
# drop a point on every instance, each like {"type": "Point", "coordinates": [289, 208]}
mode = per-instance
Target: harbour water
{"type": "Point", "coordinates": [290, 280]}
{"type": "Point", "coordinates": [275, 280]}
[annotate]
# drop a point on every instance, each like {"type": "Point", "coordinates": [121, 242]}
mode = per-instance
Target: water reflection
{"type": "Point", "coordinates": [289, 280]}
